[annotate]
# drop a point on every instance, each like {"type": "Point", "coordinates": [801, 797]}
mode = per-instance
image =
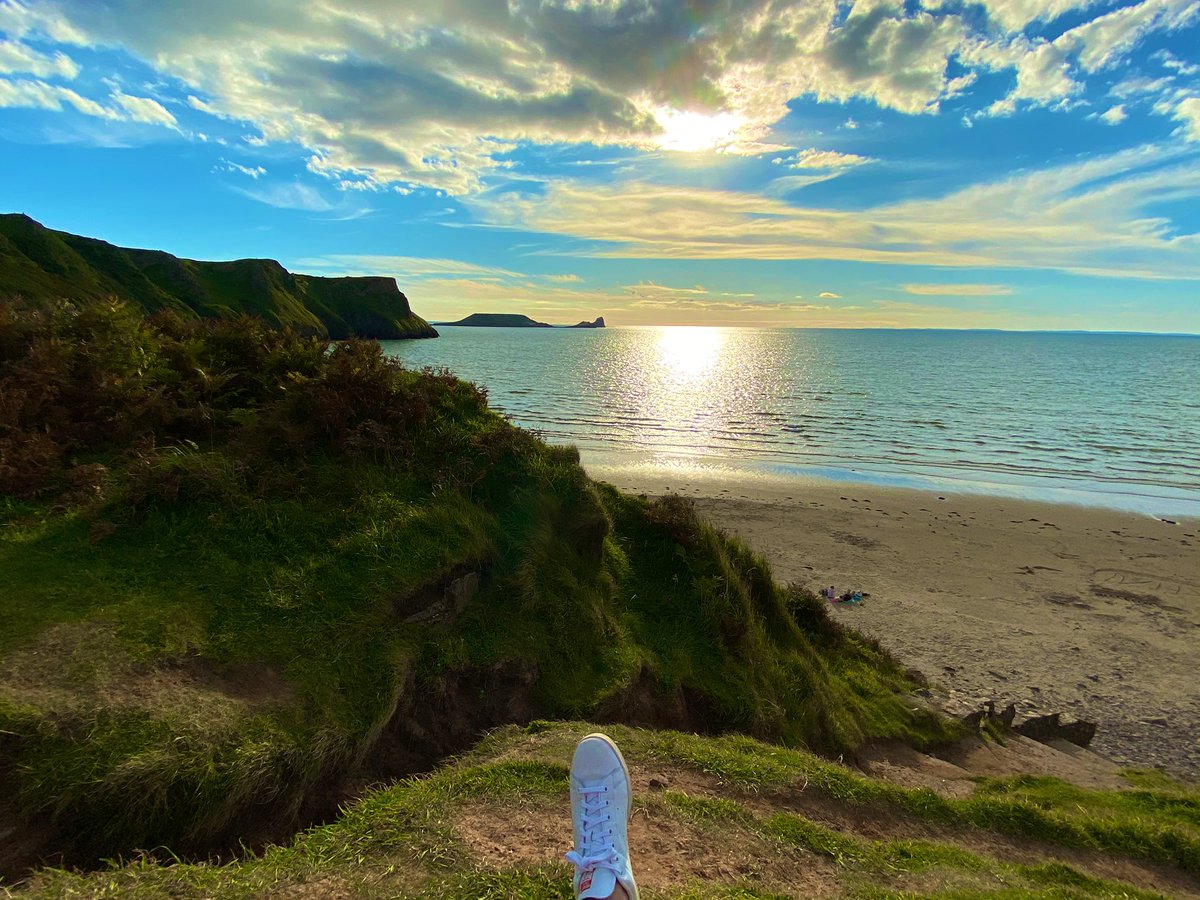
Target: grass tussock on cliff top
{"type": "Point", "coordinates": [246, 571]}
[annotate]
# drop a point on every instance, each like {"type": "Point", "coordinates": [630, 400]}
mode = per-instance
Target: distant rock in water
{"type": "Point", "coordinates": [40, 263]}
{"type": "Point", "coordinates": [499, 320]}
{"type": "Point", "coordinates": [515, 320]}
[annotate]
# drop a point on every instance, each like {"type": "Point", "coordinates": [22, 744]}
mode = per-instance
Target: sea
{"type": "Point", "coordinates": [1109, 420]}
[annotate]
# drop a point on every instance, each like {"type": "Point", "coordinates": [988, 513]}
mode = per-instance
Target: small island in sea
{"type": "Point", "coordinates": [516, 320]}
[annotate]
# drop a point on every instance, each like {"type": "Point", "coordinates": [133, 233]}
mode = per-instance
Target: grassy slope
{"type": "Point", "coordinates": [39, 263]}
{"type": "Point", "coordinates": [740, 820]}
{"type": "Point", "coordinates": [204, 629]}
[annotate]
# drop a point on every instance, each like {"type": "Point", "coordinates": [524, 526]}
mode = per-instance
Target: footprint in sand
{"type": "Point", "coordinates": [856, 540]}
{"type": "Point", "coordinates": [1130, 581]}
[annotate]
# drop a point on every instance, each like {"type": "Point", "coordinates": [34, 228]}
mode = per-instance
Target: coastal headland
{"type": "Point", "coordinates": [40, 264]}
{"type": "Point", "coordinates": [1090, 612]}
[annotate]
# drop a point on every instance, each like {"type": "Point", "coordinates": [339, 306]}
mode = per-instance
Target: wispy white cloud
{"type": "Point", "coordinates": [1101, 216]}
{"type": "Point", "coordinates": [19, 58]}
{"type": "Point", "coordinates": [254, 172]}
{"type": "Point", "coordinates": [404, 266]}
{"type": "Point", "coordinates": [1170, 61]}
{"type": "Point", "coordinates": [144, 109]}
{"type": "Point", "coordinates": [36, 94]}
{"type": "Point", "coordinates": [290, 195]}
{"type": "Point", "coordinates": [957, 290]}
{"type": "Point", "coordinates": [829, 295]}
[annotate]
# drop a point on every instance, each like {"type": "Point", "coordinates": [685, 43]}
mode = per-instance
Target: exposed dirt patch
{"type": "Point", "coordinates": [1021, 756]}
{"type": "Point", "coordinates": [644, 704]}
{"type": "Point", "coordinates": [902, 765]}
{"type": "Point", "coordinates": [327, 887]}
{"type": "Point", "coordinates": [666, 852]}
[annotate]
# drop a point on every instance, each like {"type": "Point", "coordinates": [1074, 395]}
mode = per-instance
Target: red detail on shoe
{"type": "Point", "coordinates": [586, 881]}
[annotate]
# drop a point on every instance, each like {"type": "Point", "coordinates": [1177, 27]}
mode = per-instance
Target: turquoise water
{"type": "Point", "coordinates": [1111, 420]}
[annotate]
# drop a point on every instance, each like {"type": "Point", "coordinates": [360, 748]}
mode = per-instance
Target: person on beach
{"type": "Point", "coordinates": [600, 805]}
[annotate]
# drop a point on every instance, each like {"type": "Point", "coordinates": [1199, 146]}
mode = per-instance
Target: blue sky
{"type": "Point", "coordinates": [1019, 164]}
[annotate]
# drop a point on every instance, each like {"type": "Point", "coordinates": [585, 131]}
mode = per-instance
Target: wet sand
{"type": "Point", "coordinates": [1090, 612]}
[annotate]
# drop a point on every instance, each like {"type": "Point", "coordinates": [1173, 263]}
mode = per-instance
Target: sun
{"type": "Point", "coordinates": [691, 132]}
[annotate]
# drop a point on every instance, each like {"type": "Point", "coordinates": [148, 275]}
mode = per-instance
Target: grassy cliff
{"type": "Point", "coordinates": [38, 263]}
{"type": "Point", "coordinates": [246, 573]}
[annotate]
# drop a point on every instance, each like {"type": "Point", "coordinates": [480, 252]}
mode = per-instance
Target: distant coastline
{"type": "Point", "coordinates": [515, 320]}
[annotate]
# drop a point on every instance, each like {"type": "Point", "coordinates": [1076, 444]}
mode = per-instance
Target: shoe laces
{"type": "Point", "coordinates": [596, 849]}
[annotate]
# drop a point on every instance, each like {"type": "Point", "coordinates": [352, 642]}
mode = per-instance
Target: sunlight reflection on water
{"type": "Point", "coordinates": [1113, 414]}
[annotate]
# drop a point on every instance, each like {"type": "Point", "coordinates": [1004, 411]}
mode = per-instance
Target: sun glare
{"type": "Point", "coordinates": [687, 353]}
{"type": "Point", "coordinates": [690, 132]}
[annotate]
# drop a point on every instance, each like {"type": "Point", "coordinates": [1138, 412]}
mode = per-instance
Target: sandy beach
{"type": "Point", "coordinates": [1089, 612]}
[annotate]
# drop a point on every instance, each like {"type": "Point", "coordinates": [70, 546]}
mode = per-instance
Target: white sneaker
{"type": "Point", "coordinates": [600, 804]}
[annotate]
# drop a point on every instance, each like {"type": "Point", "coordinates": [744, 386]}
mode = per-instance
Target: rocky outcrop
{"type": "Point", "coordinates": [598, 323]}
{"type": "Point", "coordinates": [1051, 727]}
{"type": "Point", "coordinates": [40, 263]}
{"type": "Point", "coordinates": [1043, 729]}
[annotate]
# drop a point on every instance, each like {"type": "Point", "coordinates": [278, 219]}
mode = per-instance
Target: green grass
{"type": "Point", "coordinates": [211, 559]}
{"type": "Point", "coordinates": [404, 841]}
{"type": "Point", "coordinates": [1156, 826]}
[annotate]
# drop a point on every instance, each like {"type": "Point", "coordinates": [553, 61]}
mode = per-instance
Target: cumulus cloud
{"type": "Point", "coordinates": [1014, 15]}
{"type": "Point", "coordinates": [436, 94]}
{"type": "Point", "coordinates": [1051, 72]}
{"type": "Point", "coordinates": [1114, 115]}
{"type": "Point", "coordinates": [821, 159]}
{"type": "Point", "coordinates": [1103, 216]}
{"type": "Point", "coordinates": [1188, 112]}
{"type": "Point", "coordinates": [828, 295]}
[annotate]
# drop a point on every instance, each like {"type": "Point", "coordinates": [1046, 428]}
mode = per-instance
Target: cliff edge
{"type": "Point", "coordinates": [39, 263]}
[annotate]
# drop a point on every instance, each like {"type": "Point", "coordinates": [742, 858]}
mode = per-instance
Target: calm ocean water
{"type": "Point", "coordinates": [1112, 420]}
